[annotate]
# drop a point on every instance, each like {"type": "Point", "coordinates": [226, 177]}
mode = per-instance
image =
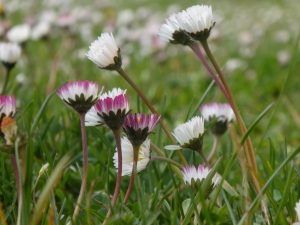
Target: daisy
{"type": "Point", "coordinates": [19, 34]}
{"type": "Point", "coordinates": [192, 174]}
{"type": "Point", "coordinates": [193, 23]}
{"type": "Point", "coordinates": [9, 54]}
{"type": "Point", "coordinates": [189, 135]}
{"type": "Point", "coordinates": [7, 106]}
{"type": "Point", "coordinates": [105, 53]}
{"type": "Point", "coordinates": [127, 156]}
{"type": "Point", "coordinates": [138, 126]}
{"type": "Point", "coordinates": [218, 115]}
{"type": "Point", "coordinates": [111, 109]}
{"type": "Point", "coordinates": [80, 95]}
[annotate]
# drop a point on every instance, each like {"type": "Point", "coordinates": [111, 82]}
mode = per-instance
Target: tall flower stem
{"type": "Point", "coordinates": [250, 154]}
{"type": "Point", "coordinates": [15, 167]}
{"type": "Point", "coordinates": [152, 109]}
{"type": "Point", "coordinates": [213, 149]}
{"type": "Point", "coordinates": [196, 49]}
{"type": "Point", "coordinates": [250, 151]}
{"type": "Point", "coordinates": [117, 135]}
{"type": "Point", "coordinates": [161, 158]}
{"type": "Point", "coordinates": [85, 167]}
{"type": "Point", "coordinates": [133, 173]}
{"type": "Point", "coordinates": [5, 80]}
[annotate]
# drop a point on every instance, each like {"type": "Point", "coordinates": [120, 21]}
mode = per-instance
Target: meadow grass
{"type": "Point", "coordinates": [266, 89]}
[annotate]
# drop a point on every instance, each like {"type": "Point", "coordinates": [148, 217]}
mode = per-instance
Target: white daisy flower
{"type": "Point", "coordinates": [41, 30]}
{"type": "Point", "coordinates": [92, 118]}
{"type": "Point", "coordinates": [9, 53]}
{"type": "Point", "coordinates": [81, 95]}
{"type": "Point", "coordinates": [111, 109]}
{"type": "Point", "coordinates": [104, 52]}
{"type": "Point", "coordinates": [220, 115]}
{"type": "Point", "coordinates": [171, 31]}
{"type": "Point", "coordinates": [195, 23]}
{"type": "Point", "coordinates": [189, 135]}
{"type": "Point", "coordinates": [19, 34]}
{"type": "Point", "coordinates": [127, 156]}
{"type": "Point", "coordinates": [197, 19]}
{"type": "Point", "coordinates": [191, 173]}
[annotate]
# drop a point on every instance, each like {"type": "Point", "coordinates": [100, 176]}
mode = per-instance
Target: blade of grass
{"type": "Point", "coordinates": [230, 210]}
{"type": "Point", "coordinates": [40, 112]}
{"type": "Point", "coordinates": [287, 185]}
{"type": "Point", "coordinates": [50, 185]}
{"type": "Point", "coordinates": [256, 121]}
{"type": "Point", "coordinates": [210, 86]}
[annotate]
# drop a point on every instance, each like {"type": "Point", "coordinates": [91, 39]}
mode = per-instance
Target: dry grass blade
{"type": "Point", "coordinates": [46, 193]}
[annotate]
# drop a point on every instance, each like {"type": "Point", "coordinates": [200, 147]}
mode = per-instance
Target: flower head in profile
{"type": "Point", "coordinates": [7, 106]}
{"type": "Point", "coordinates": [189, 135]}
{"type": "Point", "coordinates": [192, 174]}
{"type": "Point", "coordinates": [197, 21]}
{"type": "Point", "coordinates": [19, 34]}
{"type": "Point", "coordinates": [80, 95]}
{"type": "Point", "coordinates": [105, 53]}
{"type": "Point", "coordinates": [193, 23]}
{"type": "Point", "coordinates": [138, 126]}
{"type": "Point", "coordinates": [127, 156]}
{"type": "Point", "coordinates": [40, 31]}
{"type": "Point", "coordinates": [111, 109]}
{"type": "Point", "coordinates": [8, 126]}
{"type": "Point", "coordinates": [9, 54]}
{"type": "Point", "coordinates": [171, 31]}
{"type": "Point", "coordinates": [218, 116]}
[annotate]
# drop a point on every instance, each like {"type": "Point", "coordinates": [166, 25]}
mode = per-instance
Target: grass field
{"type": "Point", "coordinates": [256, 44]}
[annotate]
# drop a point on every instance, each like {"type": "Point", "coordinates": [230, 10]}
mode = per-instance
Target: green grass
{"type": "Point", "coordinates": [175, 85]}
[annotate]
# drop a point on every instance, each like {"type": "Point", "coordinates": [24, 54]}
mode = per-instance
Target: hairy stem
{"type": "Point", "coordinates": [173, 162]}
{"type": "Point", "coordinates": [196, 49]}
{"type": "Point", "coordinates": [213, 149]}
{"type": "Point", "coordinates": [117, 135]}
{"type": "Point", "coordinates": [250, 154]}
{"type": "Point", "coordinates": [85, 167]}
{"type": "Point", "coordinates": [5, 81]}
{"type": "Point", "coordinates": [250, 151]}
{"type": "Point", "coordinates": [133, 173]}
{"type": "Point", "coordinates": [152, 109]}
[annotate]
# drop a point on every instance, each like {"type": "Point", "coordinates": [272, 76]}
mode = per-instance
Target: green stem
{"type": "Point", "coordinates": [5, 81]}
{"type": "Point", "coordinates": [152, 109]}
{"type": "Point", "coordinates": [134, 172]}
{"type": "Point", "coordinates": [161, 158]}
{"type": "Point", "coordinates": [85, 167]}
